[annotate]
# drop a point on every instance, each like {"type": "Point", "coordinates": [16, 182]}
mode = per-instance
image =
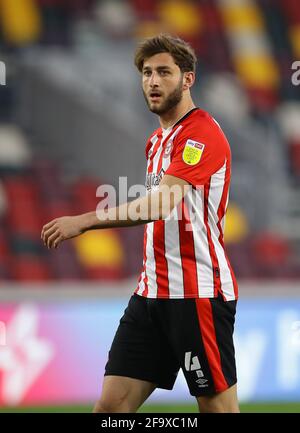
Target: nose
{"type": "Point", "coordinates": [153, 82]}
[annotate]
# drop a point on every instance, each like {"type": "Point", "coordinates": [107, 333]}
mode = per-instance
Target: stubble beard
{"type": "Point", "coordinates": [171, 101]}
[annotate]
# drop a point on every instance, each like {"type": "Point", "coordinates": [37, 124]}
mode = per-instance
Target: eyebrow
{"type": "Point", "coordinates": [158, 68]}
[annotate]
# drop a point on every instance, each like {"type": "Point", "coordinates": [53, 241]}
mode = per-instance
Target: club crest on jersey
{"type": "Point", "coordinates": [192, 152]}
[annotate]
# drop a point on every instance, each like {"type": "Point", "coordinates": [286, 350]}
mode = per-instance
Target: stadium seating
{"type": "Point", "coordinates": [37, 195]}
{"type": "Point", "coordinates": [245, 49]}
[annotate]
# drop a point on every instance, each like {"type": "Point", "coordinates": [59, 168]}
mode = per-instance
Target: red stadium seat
{"type": "Point", "coordinates": [4, 246]}
{"type": "Point", "coordinates": [84, 195]}
{"type": "Point", "coordinates": [4, 256]}
{"type": "Point", "coordinates": [271, 255]}
{"type": "Point", "coordinates": [55, 210]}
{"type": "Point", "coordinates": [263, 99]}
{"type": "Point", "coordinates": [25, 219]}
{"type": "Point", "coordinates": [102, 273]}
{"type": "Point", "coordinates": [145, 9]}
{"type": "Point", "coordinates": [292, 10]}
{"type": "Point", "coordinates": [64, 264]}
{"type": "Point", "coordinates": [240, 259]}
{"type": "Point", "coordinates": [294, 148]}
{"type": "Point", "coordinates": [29, 268]}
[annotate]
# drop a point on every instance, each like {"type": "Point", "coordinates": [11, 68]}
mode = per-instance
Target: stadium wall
{"type": "Point", "coordinates": [54, 343]}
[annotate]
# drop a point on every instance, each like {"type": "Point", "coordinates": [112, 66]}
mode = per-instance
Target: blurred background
{"type": "Point", "coordinates": [73, 117]}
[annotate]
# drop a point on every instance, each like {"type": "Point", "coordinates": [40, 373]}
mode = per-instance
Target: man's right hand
{"type": "Point", "coordinates": [61, 229]}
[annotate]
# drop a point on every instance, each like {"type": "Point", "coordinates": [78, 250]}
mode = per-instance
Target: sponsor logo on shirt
{"type": "Point", "coordinates": [192, 152]}
{"type": "Point", "coordinates": [153, 179]}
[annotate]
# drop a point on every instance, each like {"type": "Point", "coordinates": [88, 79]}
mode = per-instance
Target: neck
{"type": "Point", "coordinates": [172, 116]}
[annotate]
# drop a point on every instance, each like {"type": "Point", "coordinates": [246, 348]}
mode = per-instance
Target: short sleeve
{"type": "Point", "coordinates": [198, 155]}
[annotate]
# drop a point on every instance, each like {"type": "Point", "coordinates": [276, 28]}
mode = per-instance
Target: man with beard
{"type": "Point", "coordinates": [182, 312]}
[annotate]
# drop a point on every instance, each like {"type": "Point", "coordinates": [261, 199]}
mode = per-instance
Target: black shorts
{"type": "Point", "coordinates": [157, 337]}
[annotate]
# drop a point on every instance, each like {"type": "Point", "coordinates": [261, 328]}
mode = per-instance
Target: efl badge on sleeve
{"type": "Point", "coordinates": [192, 152]}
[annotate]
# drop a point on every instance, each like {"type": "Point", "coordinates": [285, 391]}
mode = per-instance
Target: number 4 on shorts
{"type": "Point", "coordinates": [191, 366]}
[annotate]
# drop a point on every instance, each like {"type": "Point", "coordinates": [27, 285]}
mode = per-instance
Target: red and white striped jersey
{"type": "Point", "coordinates": [184, 255]}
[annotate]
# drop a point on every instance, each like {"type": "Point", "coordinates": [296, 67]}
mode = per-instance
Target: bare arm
{"type": "Point", "coordinates": [155, 206]}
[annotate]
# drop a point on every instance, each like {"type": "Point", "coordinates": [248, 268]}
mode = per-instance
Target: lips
{"type": "Point", "coordinates": [155, 95]}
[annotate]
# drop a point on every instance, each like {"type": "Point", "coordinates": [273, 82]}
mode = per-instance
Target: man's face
{"type": "Point", "coordinates": [162, 83]}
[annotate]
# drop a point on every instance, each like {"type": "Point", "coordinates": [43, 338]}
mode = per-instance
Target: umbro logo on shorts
{"type": "Point", "coordinates": [201, 382]}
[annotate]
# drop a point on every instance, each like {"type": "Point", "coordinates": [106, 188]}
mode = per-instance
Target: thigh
{"type": "Point", "coordinates": [123, 394]}
{"type": "Point", "coordinates": [139, 350]}
{"type": "Point", "coordinates": [202, 336]}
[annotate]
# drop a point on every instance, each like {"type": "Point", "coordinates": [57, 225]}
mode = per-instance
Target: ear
{"type": "Point", "coordinates": [188, 80]}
